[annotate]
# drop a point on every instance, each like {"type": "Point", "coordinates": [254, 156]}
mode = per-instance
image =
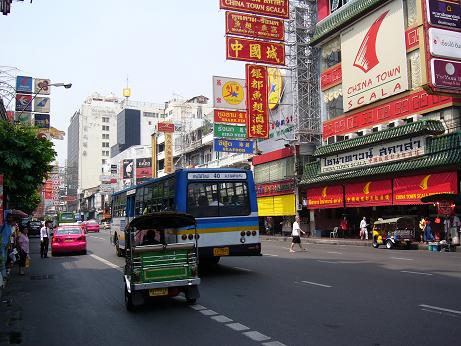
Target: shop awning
{"type": "Point", "coordinates": [325, 197]}
{"type": "Point", "coordinates": [277, 205]}
{"type": "Point", "coordinates": [410, 190]}
{"type": "Point", "coordinates": [369, 193]}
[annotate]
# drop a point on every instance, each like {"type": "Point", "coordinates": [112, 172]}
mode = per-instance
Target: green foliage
{"type": "Point", "coordinates": [25, 161]}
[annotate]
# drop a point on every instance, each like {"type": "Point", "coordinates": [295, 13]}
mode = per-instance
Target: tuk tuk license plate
{"type": "Point", "coordinates": [154, 292]}
{"type": "Point", "coordinates": [221, 251]}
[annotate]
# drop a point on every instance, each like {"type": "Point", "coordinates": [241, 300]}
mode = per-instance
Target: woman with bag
{"type": "Point", "coordinates": [22, 242]}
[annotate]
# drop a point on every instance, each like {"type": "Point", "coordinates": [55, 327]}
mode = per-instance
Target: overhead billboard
{"type": "Point", "coordinates": [42, 104]}
{"type": "Point", "coordinates": [229, 93]}
{"type": "Point", "coordinates": [227, 116]}
{"type": "Point", "coordinates": [248, 25]}
{"type": "Point", "coordinates": [143, 169]}
{"type": "Point", "coordinates": [23, 103]}
{"type": "Point", "coordinates": [278, 8]}
{"type": "Point", "coordinates": [128, 169]}
{"type": "Point", "coordinates": [369, 72]}
{"type": "Point", "coordinates": [24, 84]}
{"type": "Point", "coordinates": [24, 118]}
{"type": "Point", "coordinates": [42, 86]}
{"type": "Point", "coordinates": [42, 121]}
{"type": "Point", "coordinates": [232, 146]}
{"type": "Point", "coordinates": [243, 49]}
{"type": "Point", "coordinates": [257, 100]}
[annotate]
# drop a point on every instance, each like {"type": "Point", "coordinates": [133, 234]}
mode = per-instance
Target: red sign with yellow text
{"type": "Point", "coordinates": [331, 77]}
{"type": "Point", "coordinates": [257, 101]}
{"type": "Point", "coordinates": [325, 197]}
{"type": "Point", "coordinates": [243, 49]}
{"type": "Point", "coordinates": [165, 127]}
{"type": "Point", "coordinates": [277, 8]}
{"type": "Point", "coordinates": [241, 24]}
{"type": "Point", "coordinates": [410, 190]}
{"type": "Point", "coordinates": [369, 193]}
{"type": "Point", "coordinates": [233, 117]}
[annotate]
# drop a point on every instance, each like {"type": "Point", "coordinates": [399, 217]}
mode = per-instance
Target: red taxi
{"type": "Point", "coordinates": [91, 226]}
{"type": "Point", "coordinates": [68, 239]}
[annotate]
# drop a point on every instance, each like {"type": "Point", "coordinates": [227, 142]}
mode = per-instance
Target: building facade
{"type": "Point", "coordinates": [390, 135]}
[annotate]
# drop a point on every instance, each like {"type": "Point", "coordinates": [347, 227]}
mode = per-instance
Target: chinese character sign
{"type": "Point", "coordinates": [169, 166]}
{"type": "Point", "coordinates": [258, 107]}
{"type": "Point", "coordinates": [255, 51]}
{"type": "Point", "coordinates": [272, 8]}
{"type": "Point", "coordinates": [233, 146]}
{"type": "Point", "coordinates": [249, 25]}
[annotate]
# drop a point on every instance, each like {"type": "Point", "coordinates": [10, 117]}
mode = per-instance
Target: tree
{"type": "Point", "coordinates": [25, 162]}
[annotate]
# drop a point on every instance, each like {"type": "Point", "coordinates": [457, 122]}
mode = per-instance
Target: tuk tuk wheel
{"type": "Point", "coordinates": [129, 300]}
{"type": "Point", "coordinates": [389, 244]}
{"type": "Point", "coordinates": [375, 244]}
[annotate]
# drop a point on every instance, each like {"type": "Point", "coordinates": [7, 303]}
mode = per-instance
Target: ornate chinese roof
{"type": "Point", "coordinates": [444, 152]}
{"type": "Point", "coordinates": [422, 127]}
{"type": "Point", "coordinates": [342, 17]}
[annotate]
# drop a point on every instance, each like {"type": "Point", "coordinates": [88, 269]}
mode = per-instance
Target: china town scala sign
{"type": "Point", "coordinates": [378, 154]}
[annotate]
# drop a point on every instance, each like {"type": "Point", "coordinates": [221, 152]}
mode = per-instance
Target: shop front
{"type": "Point", "coordinates": [382, 175]}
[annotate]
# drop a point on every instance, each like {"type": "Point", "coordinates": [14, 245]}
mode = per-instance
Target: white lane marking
{"type": "Point", "coordinates": [316, 284]}
{"type": "Point", "coordinates": [335, 252]}
{"type": "Point", "coordinates": [273, 343]}
{"type": "Point", "coordinates": [106, 262]}
{"type": "Point", "coordinates": [256, 336]}
{"type": "Point", "coordinates": [268, 254]}
{"type": "Point", "coordinates": [208, 312]}
{"type": "Point", "coordinates": [197, 307]}
{"type": "Point", "coordinates": [221, 318]}
{"type": "Point", "coordinates": [244, 269]}
{"type": "Point", "coordinates": [434, 312]}
{"type": "Point", "coordinates": [237, 326]}
{"type": "Point", "coordinates": [92, 236]}
{"type": "Point", "coordinates": [331, 262]}
{"type": "Point", "coordinates": [440, 309]}
{"type": "Point", "coordinates": [403, 258]}
{"type": "Point", "coordinates": [418, 273]}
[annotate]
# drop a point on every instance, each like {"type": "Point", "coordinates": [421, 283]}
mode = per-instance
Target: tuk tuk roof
{"type": "Point", "coordinates": [165, 219]}
{"type": "Point", "coordinates": [393, 220]}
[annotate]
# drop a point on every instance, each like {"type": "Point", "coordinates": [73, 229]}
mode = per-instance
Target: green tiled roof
{"type": "Point", "coordinates": [343, 16]}
{"type": "Point", "coordinates": [443, 152]}
{"type": "Point", "coordinates": [432, 127]}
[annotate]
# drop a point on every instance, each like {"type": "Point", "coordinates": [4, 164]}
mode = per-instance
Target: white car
{"type": "Point", "coordinates": [105, 225]}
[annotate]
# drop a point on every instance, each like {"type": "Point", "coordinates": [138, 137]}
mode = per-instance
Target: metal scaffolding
{"type": "Point", "coordinates": [303, 62]}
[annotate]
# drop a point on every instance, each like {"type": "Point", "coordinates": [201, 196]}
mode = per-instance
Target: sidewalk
{"type": "Point", "coordinates": [335, 241]}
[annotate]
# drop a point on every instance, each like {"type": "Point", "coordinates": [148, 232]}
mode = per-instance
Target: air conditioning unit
{"type": "Point", "coordinates": [351, 135]}
{"type": "Point", "coordinates": [381, 127]}
{"type": "Point", "coordinates": [366, 132]}
{"type": "Point", "coordinates": [416, 117]}
{"type": "Point", "coordinates": [396, 123]}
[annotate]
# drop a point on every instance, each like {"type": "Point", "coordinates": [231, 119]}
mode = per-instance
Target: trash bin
{"type": "Point", "coordinates": [454, 235]}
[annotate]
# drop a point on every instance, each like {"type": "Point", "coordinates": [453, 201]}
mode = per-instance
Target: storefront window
{"type": "Point", "coordinates": [275, 170]}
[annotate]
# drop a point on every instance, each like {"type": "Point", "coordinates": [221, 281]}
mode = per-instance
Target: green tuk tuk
{"type": "Point", "coordinates": [156, 263]}
{"type": "Point", "coordinates": [398, 231]}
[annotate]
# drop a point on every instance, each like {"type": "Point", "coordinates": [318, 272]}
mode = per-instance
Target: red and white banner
{"type": "Point", "coordinates": [369, 193]}
{"type": "Point", "coordinates": [248, 25]}
{"type": "Point", "coordinates": [232, 117]}
{"type": "Point", "coordinates": [410, 190]}
{"type": "Point", "coordinates": [257, 101]}
{"type": "Point", "coordinates": [242, 49]}
{"type": "Point", "coordinates": [277, 8]}
{"type": "Point", "coordinates": [165, 127]}
{"type": "Point", "coordinates": [325, 197]}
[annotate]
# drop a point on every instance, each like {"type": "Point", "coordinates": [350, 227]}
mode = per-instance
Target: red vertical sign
{"type": "Point", "coordinates": [257, 102]}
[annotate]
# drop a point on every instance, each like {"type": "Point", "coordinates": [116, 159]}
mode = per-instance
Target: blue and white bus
{"type": "Point", "coordinates": [223, 201]}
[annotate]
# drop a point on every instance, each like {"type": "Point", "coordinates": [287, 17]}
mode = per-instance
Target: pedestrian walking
{"type": "Point", "coordinates": [363, 229]}
{"type": "Point", "coordinates": [296, 234]}
{"type": "Point", "coordinates": [44, 239]}
{"type": "Point", "coordinates": [22, 242]}
{"type": "Point", "coordinates": [5, 235]}
{"type": "Point", "coordinates": [344, 225]}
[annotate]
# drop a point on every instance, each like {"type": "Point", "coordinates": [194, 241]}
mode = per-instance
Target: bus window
{"type": "Point", "coordinates": [203, 199]}
{"type": "Point", "coordinates": [234, 197]}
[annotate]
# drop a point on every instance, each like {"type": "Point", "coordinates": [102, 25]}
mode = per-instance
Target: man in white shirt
{"type": "Point", "coordinates": [363, 228]}
{"type": "Point", "coordinates": [296, 234]}
{"type": "Point", "coordinates": [44, 239]}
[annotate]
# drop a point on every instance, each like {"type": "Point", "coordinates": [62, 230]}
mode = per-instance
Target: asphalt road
{"type": "Point", "coordinates": [328, 295]}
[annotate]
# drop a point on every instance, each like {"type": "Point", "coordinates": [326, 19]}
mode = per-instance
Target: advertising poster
{"type": "Point", "coordinates": [229, 93]}
{"type": "Point", "coordinates": [42, 86]}
{"type": "Point", "coordinates": [42, 104]}
{"type": "Point", "coordinates": [257, 100]}
{"type": "Point", "coordinates": [248, 25]}
{"type": "Point", "coordinates": [369, 72]}
{"type": "Point", "coordinates": [232, 146]}
{"type": "Point", "coordinates": [23, 102]}
{"type": "Point", "coordinates": [42, 121]}
{"type": "Point", "coordinates": [278, 8]}
{"type": "Point", "coordinates": [128, 169]}
{"type": "Point", "coordinates": [24, 84]}
{"type": "Point", "coordinates": [143, 169]}
{"type": "Point", "coordinates": [263, 52]}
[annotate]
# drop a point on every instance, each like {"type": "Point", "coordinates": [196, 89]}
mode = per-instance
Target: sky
{"type": "Point", "coordinates": [165, 48]}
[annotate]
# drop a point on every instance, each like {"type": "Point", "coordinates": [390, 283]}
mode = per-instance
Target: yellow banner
{"type": "Point", "coordinates": [153, 138]}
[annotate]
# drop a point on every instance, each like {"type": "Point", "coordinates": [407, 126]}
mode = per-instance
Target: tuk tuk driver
{"type": "Point", "coordinates": [151, 237]}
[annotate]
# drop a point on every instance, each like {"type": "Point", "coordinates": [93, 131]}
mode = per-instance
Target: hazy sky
{"type": "Point", "coordinates": [165, 48]}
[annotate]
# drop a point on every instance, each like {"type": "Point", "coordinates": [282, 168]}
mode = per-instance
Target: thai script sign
{"type": "Point", "coordinates": [325, 197]}
{"type": "Point", "coordinates": [169, 166]}
{"type": "Point", "coordinates": [165, 127]}
{"type": "Point", "coordinates": [445, 43]}
{"type": "Point", "coordinates": [446, 74]}
{"type": "Point", "coordinates": [257, 101]}
{"type": "Point", "coordinates": [418, 102]}
{"type": "Point", "coordinates": [217, 176]}
{"type": "Point", "coordinates": [255, 51]}
{"type": "Point", "coordinates": [254, 26]}
{"type": "Point", "coordinates": [223, 116]}
{"type": "Point", "coordinates": [369, 193]}
{"type": "Point", "coordinates": [369, 71]}
{"type": "Point", "coordinates": [233, 146]}
{"type": "Point", "coordinates": [230, 131]}
{"type": "Point", "coordinates": [378, 154]}
{"type": "Point", "coordinates": [445, 13]}
{"type": "Point", "coordinates": [276, 188]}
{"type": "Point", "coordinates": [229, 93]}
{"type": "Point", "coordinates": [271, 8]}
